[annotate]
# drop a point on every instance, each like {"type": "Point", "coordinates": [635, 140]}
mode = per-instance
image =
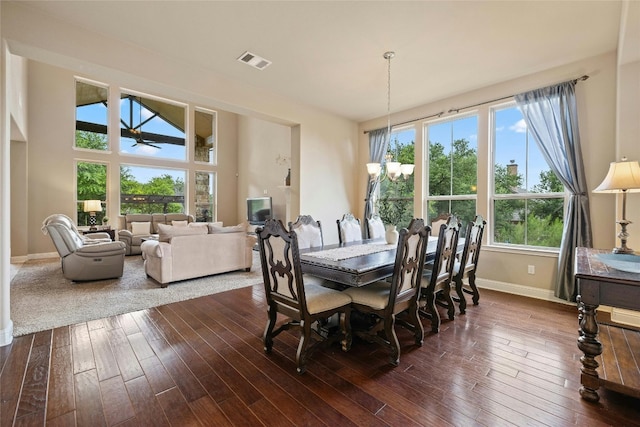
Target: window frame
{"type": "Point", "coordinates": [115, 158]}
{"type": "Point", "coordinates": [426, 197]}
{"type": "Point", "coordinates": [105, 202]}
{"type": "Point", "coordinates": [492, 196]}
{"type": "Point", "coordinates": [105, 86]}
{"type": "Point", "coordinates": [187, 130]}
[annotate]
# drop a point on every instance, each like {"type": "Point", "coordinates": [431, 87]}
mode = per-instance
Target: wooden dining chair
{"type": "Point", "coordinates": [467, 265]}
{"type": "Point", "coordinates": [308, 231]}
{"type": "Point", "coordinates": [304, 304]}
{"type": "Point", "coordinates": [436, 282]}
{"type": "Point", "coordinates": [375, 226]}
{"type": "Point", "coordinates": [396, 301]}
{"type": "Point", "coordinates": [437, 222]}
{"type": "Point", "coordinates": [349, 229]}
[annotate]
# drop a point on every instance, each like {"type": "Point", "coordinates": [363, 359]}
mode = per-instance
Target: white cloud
{"type": "Point", "coordinates": [146, 149]}
{"type": "Point", "coordinates": [473, 137]}
{"type": "Point", "coordinates": [519, 127]}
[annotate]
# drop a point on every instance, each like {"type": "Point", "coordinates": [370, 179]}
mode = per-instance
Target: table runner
{"type": "Point", "coordinates": [338, 254]}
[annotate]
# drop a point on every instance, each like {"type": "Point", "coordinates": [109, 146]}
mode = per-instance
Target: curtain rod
{"type": "Point", "coordinates": [456, 110]}
{"type": "Point", "coordinates": [410, 121]}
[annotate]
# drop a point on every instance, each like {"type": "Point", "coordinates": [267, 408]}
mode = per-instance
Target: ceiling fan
{"type": "Point", "coordinates": [137, 135]}
{"type": "Point", "coordinates": [135, 132]}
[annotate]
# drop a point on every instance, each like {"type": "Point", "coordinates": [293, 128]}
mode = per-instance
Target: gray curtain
{"type": "Point", "coordinates": [551, 116]}
{"type": "Point", "coordinates": [377, 149]}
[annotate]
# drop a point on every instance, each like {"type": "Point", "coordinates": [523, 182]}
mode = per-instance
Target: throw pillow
{"type": "Point", "coordinates": [168, 232]}
{"type": "Point", "coordinates": [240, 228]}
{"type": "Point", "coordinates": [140, 228]}
{"type": "Point", "coordinates": [202, 225]}
{"type": "Point", "coordinates": [179, 223]}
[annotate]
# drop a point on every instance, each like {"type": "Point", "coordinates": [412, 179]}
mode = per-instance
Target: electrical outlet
{"type": "Point", "coordinates": [531, 269]}
{"type": "Point", "coordinates": [264, 192]}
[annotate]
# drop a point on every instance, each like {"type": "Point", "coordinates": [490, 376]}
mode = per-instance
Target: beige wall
{"type": "Point", "coordinates": [325, 145]}
{"type": "Point", "coordinates": [596, 97]}
{"type": "Point", "coordinates": [260, 143]}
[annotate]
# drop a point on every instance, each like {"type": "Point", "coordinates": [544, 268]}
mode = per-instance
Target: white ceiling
{"type": "Point", "coordinates": [330, 54]}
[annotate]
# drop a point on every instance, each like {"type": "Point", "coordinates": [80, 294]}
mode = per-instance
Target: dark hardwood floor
{"type": "Point", "coordinates": [509, 361]}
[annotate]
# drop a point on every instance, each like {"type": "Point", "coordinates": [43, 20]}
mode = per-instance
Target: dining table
{"type": "Point", "coordinates": [358, 263]}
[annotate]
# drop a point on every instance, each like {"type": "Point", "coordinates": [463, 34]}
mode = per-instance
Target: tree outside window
{"type": "Point", "coordinates": [395, 204]}
{"type": "Point", "coordinates": [91, 116]}
{"type": "Point", "coordinates": [452, 165]}
{"type": "Point", "coordinates": [528, 198]}
{"type": "Point", "coordinates": [91, 184]}
{"type": "Point", "coordinates": [151, 190]}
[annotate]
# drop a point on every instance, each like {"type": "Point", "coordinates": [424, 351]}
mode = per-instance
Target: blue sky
{"type": "Point", "coordinates": [512, 141]}
{"type": "Point", "coordinates": [97, 113]}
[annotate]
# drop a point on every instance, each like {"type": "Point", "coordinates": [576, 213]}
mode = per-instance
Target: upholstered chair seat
{"type": "Point", "coordinates": [304, 300]}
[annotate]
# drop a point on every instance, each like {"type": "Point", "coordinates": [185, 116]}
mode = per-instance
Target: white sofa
{"type": "Point", "coordinates": [198, 250]}
{"type": "Point", "coordinates": [135, 227]}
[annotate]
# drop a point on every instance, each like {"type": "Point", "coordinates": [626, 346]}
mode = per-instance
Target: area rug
{"type": "Point", "coordinates": [41, 298]}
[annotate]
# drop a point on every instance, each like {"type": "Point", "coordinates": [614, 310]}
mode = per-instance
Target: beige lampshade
{"type": "Point", "coordinates": [622, 175]}
{"type": "Point", "coordinates": [92, 206]}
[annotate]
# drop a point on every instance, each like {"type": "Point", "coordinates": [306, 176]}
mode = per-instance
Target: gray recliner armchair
{"type": "Point", "coordinates": [84, 258]}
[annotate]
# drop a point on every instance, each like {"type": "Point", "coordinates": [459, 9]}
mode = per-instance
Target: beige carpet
{"type": "Point", "coordinates": [41, 298]}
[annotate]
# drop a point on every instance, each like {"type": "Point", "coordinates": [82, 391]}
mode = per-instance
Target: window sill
{"type": "Point", "coordinates": [521, 250]}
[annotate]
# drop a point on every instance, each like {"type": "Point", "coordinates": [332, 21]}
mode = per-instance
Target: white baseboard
{"type": "Point", "coordinates": [626, 317]}
{"type": "Point", "coordinates": [531, 292]}
{"type": "Point", "coordinates": [525, 291]}
{"type": "Point", "coordinates": [6, 334]}
{"type": "Point", "coordinates": [24, 258]}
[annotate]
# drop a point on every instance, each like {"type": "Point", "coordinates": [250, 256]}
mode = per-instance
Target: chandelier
{"type": "Point", "coordinates": [393, 169]}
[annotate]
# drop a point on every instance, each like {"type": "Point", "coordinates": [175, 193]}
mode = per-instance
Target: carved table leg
{"type": "Point", "coordinates": [588, 343]}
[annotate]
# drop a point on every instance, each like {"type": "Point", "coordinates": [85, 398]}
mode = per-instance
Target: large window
{"type": "Point", "coordinates": [92, 115]}
{"type": "Point", "coordinates": [91, 184]}
{"type": "Point", "coordinates": [452, 165]}
{"type": "Point", "coordinates": [151, 190]}
{"type": "Point", "coordinates": [395, 204]}
{"type": "Point", "coordinates": [153, 128]}
{"type": "Point", "coordinates": [205, 136]}
{"type": "Point", "coordinates": [528, 198]}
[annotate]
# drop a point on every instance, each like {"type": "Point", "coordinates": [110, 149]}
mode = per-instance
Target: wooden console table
{"type": "Point", "coordinates": [599, 284]}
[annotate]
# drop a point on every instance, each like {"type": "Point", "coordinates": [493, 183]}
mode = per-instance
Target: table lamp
{"type": "Point", "coordinates": [92, 206]}
{"type": "Point", "coordinates": [622, 177]}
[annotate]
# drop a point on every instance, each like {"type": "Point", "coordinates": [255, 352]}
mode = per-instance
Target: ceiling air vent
{"type": "Point", "coordinates": [254, 60]}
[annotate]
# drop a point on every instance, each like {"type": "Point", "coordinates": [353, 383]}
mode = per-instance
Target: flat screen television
{"type": "Point", "coordinates": [259, 209]}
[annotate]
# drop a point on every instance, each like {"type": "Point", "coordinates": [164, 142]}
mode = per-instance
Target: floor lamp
{"type": "Point", "coordinates": [92, 206]}
{"type": "Point", "coordinates": [623, 177]}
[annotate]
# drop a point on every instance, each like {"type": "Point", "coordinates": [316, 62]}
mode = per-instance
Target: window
{"type": "Point", "coordinates": [151, 190]}
{"type": "Point", "coordinates": [205, 136]}
{"type": "Point", "coordinates": [452, 165]}
{"type": "Point", "coordinates": [150, 127]}
{"type": "Point", "coordinates": [205, 196]}
{"type": "Point", "coordinates": [528, 198]}
{"type": "Point", "coordinates": [91, 116]}
{"type": "Point", "coordinates": [395, 204]}
{"type": "Point", "coordinates": [91, 184]}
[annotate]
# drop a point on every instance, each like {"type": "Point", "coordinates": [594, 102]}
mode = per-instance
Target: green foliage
{"type": "Point", "coordinates": [395, 205]}
{"type": "Point", "coordinates": [91, 140]}
{"type": "Point", "coordinates": [92, 182]}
